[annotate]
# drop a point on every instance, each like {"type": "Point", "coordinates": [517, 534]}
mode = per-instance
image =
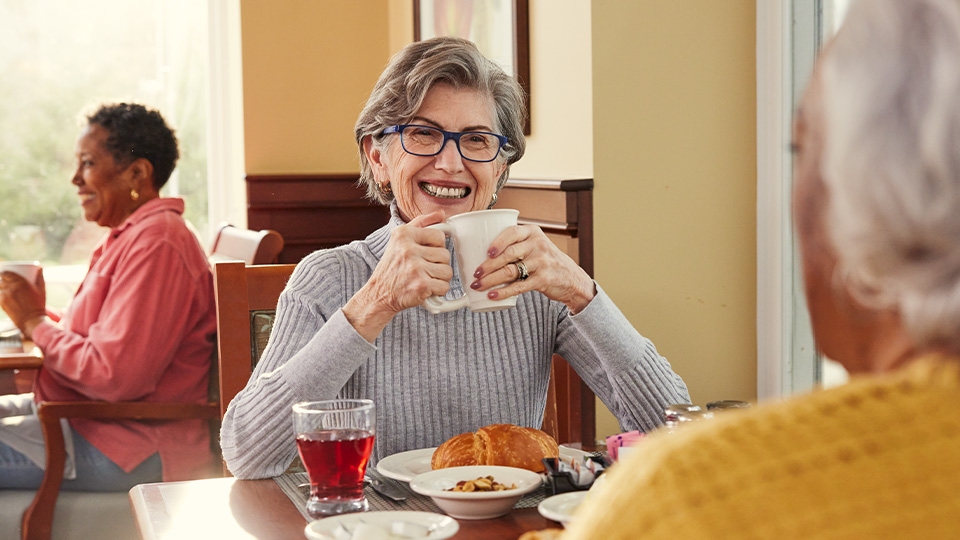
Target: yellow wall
{"type": "Point", "coordinates": [400, 23]}
{"type": "Point", "coordinates": [308, 67]}
{"type": "Point", "coordinates": [560, 142]}
{"type": "Point", "coordinates": [674, 120]}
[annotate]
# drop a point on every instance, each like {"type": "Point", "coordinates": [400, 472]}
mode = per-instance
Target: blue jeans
{"type": "Point", "coordinates": [95, 471]}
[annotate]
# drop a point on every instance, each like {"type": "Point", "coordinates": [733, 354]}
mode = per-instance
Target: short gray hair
{"type": "Point", "coordinates": [891, 163]}
{"type": "Point", "coordinates": [408, 77]}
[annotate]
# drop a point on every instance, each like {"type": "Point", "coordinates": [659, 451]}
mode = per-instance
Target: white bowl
{"type": "Point", "coordinates": [476, 504]}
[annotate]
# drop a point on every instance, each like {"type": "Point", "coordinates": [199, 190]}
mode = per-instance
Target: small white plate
{"type": "Point", "coordinates": [561, 507]}
{"type": "Point", "coordinates": [475, 504]}
{"type": "Point", "coordinates": [405, 465]}
{"type": "Point", "coordinates": [323, 529]}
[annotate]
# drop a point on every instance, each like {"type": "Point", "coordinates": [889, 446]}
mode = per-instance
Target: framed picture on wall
{"type": "Point", "coordinates": [500, 28]}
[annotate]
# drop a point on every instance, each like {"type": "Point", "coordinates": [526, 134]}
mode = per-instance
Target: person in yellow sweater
{"type": "Point", "coordinates": [877, 211]}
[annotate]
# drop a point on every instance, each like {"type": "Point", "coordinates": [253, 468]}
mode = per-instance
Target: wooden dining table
{"type": "Point", "coordinates": [242, 509]}
{"type": "Point", "coordinates": [18, 366]}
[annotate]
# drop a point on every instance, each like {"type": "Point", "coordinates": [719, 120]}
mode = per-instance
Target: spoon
{"type": "Point", "coordinates": [387, 490]}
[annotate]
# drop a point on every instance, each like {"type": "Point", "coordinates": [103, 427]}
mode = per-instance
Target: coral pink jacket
{"type": "Point", "coordinates": [140, 328]}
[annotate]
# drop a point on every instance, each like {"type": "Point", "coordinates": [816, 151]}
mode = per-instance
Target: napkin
{"type": "Point", "coordinates": [618, 444]}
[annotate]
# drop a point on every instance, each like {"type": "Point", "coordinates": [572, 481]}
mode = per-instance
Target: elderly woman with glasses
{"type": "Point", "coordinates": [436, 139]}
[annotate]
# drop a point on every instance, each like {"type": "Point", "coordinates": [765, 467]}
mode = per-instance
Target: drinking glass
{"type": "Point", "coordinates": [335, 438]}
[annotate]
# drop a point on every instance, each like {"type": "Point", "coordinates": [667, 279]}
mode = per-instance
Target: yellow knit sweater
{"type": "Point", "coordinates": [876, 458]}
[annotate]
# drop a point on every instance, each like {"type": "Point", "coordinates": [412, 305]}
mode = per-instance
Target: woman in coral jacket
{"type": "Point", "coordinates": [140, 328]}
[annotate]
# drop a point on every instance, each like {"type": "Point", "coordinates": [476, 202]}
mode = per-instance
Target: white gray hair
{"type": "Point", "coordinates": [408, 77]}
{"type": "Point", "coordinates": [891, 163]}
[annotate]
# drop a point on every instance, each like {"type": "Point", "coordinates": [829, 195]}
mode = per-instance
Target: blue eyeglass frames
{"type": "Point", "coordinates": [478, 146]}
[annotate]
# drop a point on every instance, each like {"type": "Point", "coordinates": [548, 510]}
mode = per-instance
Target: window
{"type": "Point", "coordinates": [790, 34]}
{"type": "Point", "coordinates": [62, 58]}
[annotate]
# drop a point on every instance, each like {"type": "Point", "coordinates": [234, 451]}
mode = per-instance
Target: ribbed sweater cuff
{"type": "Point", "coordinates": [602, 317]}
{"type": "Point", "coordinates": [344, 351]}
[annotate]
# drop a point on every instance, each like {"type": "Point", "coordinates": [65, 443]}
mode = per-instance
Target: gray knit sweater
{"type": "Point", "coordinates": [432, 376]}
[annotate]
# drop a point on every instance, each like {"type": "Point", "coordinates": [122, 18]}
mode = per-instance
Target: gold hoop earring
{"type": "Point", "coordinates": [134, 195]}
{"type": "Point", "coordinates": [384, 189]}
{"type": "Point", "coordinates": [493, 201]}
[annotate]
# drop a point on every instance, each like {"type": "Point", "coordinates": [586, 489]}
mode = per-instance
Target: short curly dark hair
{"type": "Point", "coordinates": [138, 132]}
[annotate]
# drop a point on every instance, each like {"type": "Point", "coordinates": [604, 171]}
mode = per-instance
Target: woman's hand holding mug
{"type": "Point", "coordinates": [23, 294]}
{"type": "Point", "coordinates": [547, 268]}
{"type": "Point", "coordinates": [415, 266]}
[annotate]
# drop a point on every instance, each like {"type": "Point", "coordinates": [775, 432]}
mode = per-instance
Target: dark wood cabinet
{"type": "Point", "coordinates": [311, 211]}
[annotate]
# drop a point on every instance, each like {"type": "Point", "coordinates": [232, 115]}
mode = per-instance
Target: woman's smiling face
{"type": "Point", "coordinates": [445, 181]}
{"type": "Point", "coordinates": [103, 185]}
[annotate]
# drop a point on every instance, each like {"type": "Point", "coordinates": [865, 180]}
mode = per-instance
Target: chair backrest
{"type": "Point", "coordinates": [251, 247]}
{"type": "Point", "coordinates": [246, 300]}
{"type": "Point", "coordinates": [551, 422]}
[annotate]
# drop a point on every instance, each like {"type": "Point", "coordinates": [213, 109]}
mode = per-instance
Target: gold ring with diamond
{"type": "Point", "coordinates": [522, 273]}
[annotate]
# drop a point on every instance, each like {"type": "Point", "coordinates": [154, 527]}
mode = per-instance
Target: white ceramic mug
{"type": "Point", "coordinates": [28, 269]}
{"type": "Point", "coordinates": [472, 234]}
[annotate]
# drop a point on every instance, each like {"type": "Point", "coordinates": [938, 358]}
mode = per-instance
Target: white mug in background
{"type": "Point", "coordinates": [472, 234]}
{"type": "Point", "coordinates": [27, 269]}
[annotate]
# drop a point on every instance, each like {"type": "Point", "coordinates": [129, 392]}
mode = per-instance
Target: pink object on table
{"type": "Point", "coordinates": [616, 442]}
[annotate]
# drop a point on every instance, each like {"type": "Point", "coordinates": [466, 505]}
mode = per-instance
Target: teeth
{"type": "Point", "coordinates": [444, 192]}
{"type": "Point", "coordinates": [87, 197]}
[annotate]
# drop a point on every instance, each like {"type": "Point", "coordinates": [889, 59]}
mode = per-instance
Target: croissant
{"type": "Point", "coordinates": [497, 444]}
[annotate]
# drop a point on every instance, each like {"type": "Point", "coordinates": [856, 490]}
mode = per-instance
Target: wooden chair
{"type": "Point", "coordinates": [246, 301]}
{"type": "Point", "coordinates": [37, 521]}
{"type": "Point", "coordinates": [251, 247]}
{"type": "Point", "coordinates": [551, 422]}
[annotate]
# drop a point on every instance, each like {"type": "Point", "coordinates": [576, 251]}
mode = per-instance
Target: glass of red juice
{"type": "Point", "coordinates": [335, 438]}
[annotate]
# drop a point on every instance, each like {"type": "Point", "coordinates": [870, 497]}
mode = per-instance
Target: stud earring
{"type": "Point", "coordinates": [134, 194]}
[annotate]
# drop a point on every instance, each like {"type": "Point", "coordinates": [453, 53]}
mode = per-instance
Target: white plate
{"type": "Point", "coordinates": [561, 507]}
{"type": "Point", "coordinates": [405, 465]}
{"type": "Point", "coordinates": [323, 529]}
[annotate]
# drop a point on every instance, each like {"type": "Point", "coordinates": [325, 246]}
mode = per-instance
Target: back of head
{"type": "Point", "coordinates": [138, 132]}
{"type": "Point", "coordinates": [411, 73]}
{"type": "Point", "coordinates": [891, 104]}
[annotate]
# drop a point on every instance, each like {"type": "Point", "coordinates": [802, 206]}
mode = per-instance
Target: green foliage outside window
{"type": "Point", "coordinates": [60, 59]}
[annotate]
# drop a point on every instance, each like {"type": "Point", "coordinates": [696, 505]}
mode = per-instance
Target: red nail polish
{"type": "Point", "coordinates": [492, 295]}
{"type": "Point", "coordinates": [492, 253]}
{"type": "Point", "coordinates": [478, 273]}
{"type": "Point", "coordinates": [475, 284]}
